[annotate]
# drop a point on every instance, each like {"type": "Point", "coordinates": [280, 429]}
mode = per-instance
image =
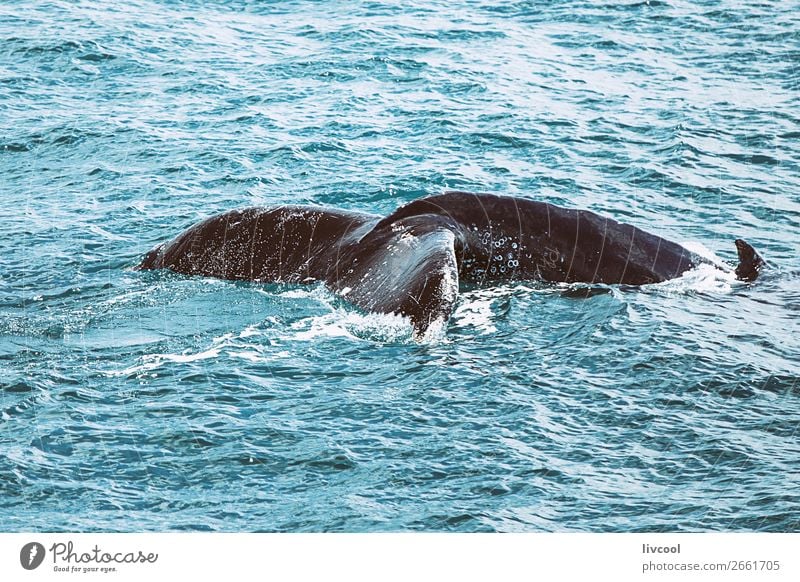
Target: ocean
{"type": "Point", "coordinates": [150, 401]}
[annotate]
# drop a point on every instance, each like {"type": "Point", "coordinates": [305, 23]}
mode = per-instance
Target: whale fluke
{"type": "Point", "coordinates": [409, 269]}
{"type": "Point", "coordinates": [412, 261]}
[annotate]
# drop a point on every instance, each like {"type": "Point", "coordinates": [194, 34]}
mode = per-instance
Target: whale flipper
{"type": "Point", "coordinates": [750, 263]}
{"type": "Point", "coordinates": [410, 269]}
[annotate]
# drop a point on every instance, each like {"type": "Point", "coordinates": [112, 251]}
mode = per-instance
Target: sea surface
{"type": "Point", "coordinates": [148, 401]}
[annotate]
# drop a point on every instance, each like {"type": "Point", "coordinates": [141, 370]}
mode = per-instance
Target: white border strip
{"type": "Point", "coordinates": [388, 557]}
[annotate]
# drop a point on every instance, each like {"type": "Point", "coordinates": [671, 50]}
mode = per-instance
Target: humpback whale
{"type": "Point", "coordinates": [412, 261]}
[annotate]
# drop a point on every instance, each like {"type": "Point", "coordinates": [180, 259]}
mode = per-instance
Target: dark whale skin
{"type": "Point", "coordinates": [412, 261]}
{"type": "Point", "coordinates": [549, 242]}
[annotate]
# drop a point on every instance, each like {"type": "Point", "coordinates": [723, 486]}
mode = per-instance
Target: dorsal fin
{"type": "Point", "coordinates": [750, 263]}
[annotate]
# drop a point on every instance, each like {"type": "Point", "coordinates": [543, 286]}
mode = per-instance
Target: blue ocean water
{"type": "Point", "coordinates": [134, 401]}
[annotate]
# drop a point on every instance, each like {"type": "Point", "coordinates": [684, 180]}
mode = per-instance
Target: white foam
{"type": "Point", "coordinates": [435, 334]}
{"type": "Point", "coordinates": [223, 343]}
{"type": "Point", "coordinates": [704, 278]}
{"type": "Point", "coordinates": [249, 356]}
{"type": "Point", "coordinates": [378, 327]}
{"type": "Point", "coordinates": [475, 307]}
{"type": "Point", "coordinates": [152, 362]}
{"type": "Point", "coordinates": [703, 251]}
{"type": "Point", "coordinates": [476, 312]}
{"type": "Point", "coordinates": [293, 294]}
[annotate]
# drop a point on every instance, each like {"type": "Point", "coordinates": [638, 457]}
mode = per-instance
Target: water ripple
{"type": "Point", "coordinates": [147, 401]}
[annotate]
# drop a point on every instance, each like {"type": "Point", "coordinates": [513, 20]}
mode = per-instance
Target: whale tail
{"type": "Point", "coordinates": [409, 267]}
{"type": "Point", "coordinates": [398, 265]}
{"type": "Point", "coordinates": [750, 262]}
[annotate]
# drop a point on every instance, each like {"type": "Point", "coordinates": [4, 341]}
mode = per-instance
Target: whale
{"type": "Point", "coordinates": [413, 261]}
